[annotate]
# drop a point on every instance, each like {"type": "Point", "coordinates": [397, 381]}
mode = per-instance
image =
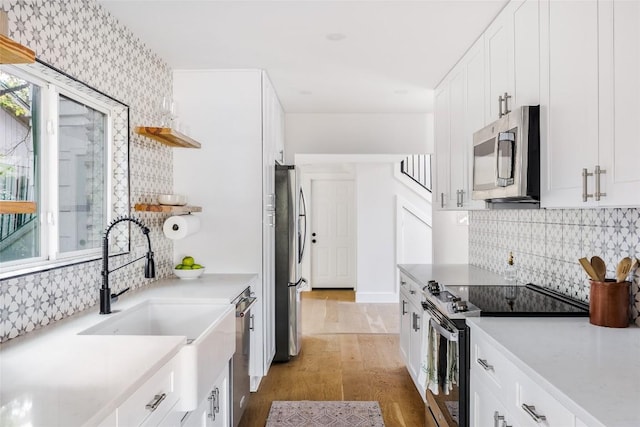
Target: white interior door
{"type": "Point", "coordinates": [333, 234]}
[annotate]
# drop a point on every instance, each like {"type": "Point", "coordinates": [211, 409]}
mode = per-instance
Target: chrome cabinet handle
{"type": "Point", "coordinates": [251, 321]}
{"type": "Point", "coordinates": [503, 99]}
{"type": "Point", "coordinates": [404, 305]}
{"type": "Point", "coordinates": [416, 318]}
{"type": "Point", "coordinates": [497, 418]}
{"type": "Point", "coordinates": [585, 175]}
{"type": "Point", "coordinates": [598, 172]}
{"type": "Point", "coordinates": [442, 200]}
{"type": "Point", "coordinates": [531, 411]}
{"type": "Point", "coordinates": [214, 403]}
{"type": "Point", "coordinates": [412, 292]}
{"type": "Point", "coordinates": [459, 198]}
{"type": "Point", "coordinates": [485, 365]}
{"type": "Point", "coordinates": [156, 401]}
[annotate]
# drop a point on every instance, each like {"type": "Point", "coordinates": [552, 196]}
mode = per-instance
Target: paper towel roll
{"type": "Point", "coordinates": [181, 226]}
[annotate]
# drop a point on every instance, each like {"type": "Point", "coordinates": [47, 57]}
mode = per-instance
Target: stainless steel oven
{"type": "Point", "coordinates": [446, 382]}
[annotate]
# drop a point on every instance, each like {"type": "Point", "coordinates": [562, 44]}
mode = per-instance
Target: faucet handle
{"type": "Point", "coordinates": [114, 297]}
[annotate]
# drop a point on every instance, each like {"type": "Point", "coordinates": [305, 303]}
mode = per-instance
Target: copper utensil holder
{"type": "Point", "coordinates": [609, 303]}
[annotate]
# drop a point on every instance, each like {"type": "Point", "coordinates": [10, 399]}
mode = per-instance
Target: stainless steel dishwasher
{"type": "Point", "coordinates": [240, 380]}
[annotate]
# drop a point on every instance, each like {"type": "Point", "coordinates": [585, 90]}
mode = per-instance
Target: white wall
{"type": "Point", "coordinates": [450, 237]}
{"type": "Point", "coordinates": [358, 134]}
{"type": "Point", "coordinates": [230, 238]}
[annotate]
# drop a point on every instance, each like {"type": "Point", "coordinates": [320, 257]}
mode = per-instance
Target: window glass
{"type": "Point", "coordinates": [19, 166]}
{"type": "Point", "coordinates": [82, 142]}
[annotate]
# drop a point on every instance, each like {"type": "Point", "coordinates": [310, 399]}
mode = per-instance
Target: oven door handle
{"type": "Point", "coordinates": [450, 336]}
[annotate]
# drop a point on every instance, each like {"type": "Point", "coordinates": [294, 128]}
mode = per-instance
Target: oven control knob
{"type": "Point", "coordinates": [433, 287]}
{"type": "Point", "coordinates": [460, 306]}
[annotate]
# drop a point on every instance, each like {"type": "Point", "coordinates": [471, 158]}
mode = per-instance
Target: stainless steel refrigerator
{"type": "Point", "coordinates": [290, 241]}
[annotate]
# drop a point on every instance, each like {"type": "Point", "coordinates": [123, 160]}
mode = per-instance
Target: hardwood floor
{"type": "Point", "coordinates": [349, 352]}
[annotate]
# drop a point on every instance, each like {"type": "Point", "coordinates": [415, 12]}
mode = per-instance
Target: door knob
{"type": "Point", "coordinates": [313, 241]}
{"type": "Point", "coordinates": [313, 234]}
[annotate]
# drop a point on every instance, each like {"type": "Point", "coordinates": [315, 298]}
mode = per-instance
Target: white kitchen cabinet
{"type": "Point", "coordinates": [591, 89]}
{"type": "Point", "coordinates": [405, 325]}
{"type": "Point", "coordinates": [498, 388]}
{"type": "Point", "coordinates": [442, 145]}
{"type": "Point", "coordinates": [569, 97]}
{"type": "Point", "coordinates": [151, 403]}
{"type": "Point", "coordinates": [512, 49]}
{"type": "Point", "coordinates": [238, 118]}
{"type": "Point", "coordinates": [411, 328]}
{"type": "Point", "coordinates": [486, 408]}
{"type": "Point", "coordinates": [215, 410]}
{"type": "Point", "coordinates": [619, 72]}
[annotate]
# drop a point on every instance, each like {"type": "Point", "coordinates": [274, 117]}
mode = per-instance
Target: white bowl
{"type": "Point", "coordinates": [188, 274]}
{"type": "Point", "coordinates": [172, 199]}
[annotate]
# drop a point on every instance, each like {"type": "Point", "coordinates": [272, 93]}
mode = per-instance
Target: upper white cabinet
{"type": "Point", "coordinates": [619, 101]}
{"type": "Point", "coordinates": [512, 46]}
{"type": "Point", "coordinates": [497, 74]}
{"type": "Point", "coordinates": [590, 87]}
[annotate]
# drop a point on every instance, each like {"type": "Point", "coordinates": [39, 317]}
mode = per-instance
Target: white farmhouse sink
{"type": "Point", "coordinates": [208, 327]}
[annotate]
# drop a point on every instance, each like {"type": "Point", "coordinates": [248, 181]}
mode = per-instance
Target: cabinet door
{"type": "Point", "coordinates": [405, 327]}
{"type": "Point", "coordinates": [499, 56]}
{"type": "Point", "coordinates": [620, 101]}
{"type": "Point", "coordinates": [486, 409]}
{"type": "Point", "coordinates": [457, 131]}
{"type": "Point", "coordinates": [442, 147]}
{"type": "Point", "coordinates": [526, 53]}
{"type": "Point", "coordinates": [415, 356]}
{"type": "Point", "coordinates": [569, 90]}
{"type": "Point", "coordinates": [475, 114]}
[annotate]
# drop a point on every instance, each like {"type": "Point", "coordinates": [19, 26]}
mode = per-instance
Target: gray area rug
{"type": "Point", "coordinates": [324, 413]}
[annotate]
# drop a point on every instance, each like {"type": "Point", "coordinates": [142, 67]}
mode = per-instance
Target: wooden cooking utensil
{"type": "Point", "coordinates": [600, 267]}
{"type": "Point", "coordinates": [588, 268]}
{"type": "Point", "coordinates": [623, 268]}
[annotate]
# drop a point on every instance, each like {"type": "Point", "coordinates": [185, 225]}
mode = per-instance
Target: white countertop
{"type": "Point", "coordinates": [54, 377]}
{"type": "Point", "coordinates": [593, 371]}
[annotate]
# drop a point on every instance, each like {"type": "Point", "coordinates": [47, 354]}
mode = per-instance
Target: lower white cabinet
{"type": "Point", "coordinates": [503, 395]}
{"type": "Point", "coordinates": [215, 410]}
{"type": "Point", "coordinates": [486, 408]}
{"type": "Point", "coordinates": [411, 328]}
{"type": "Point", "coordinates": [152, 404]}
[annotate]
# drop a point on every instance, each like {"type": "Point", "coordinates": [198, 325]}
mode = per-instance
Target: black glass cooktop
{"type": "Point", "coordinates": [528, 300]}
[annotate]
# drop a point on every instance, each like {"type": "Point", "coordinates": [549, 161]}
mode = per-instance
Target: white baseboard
{"type": "Point", "coordinates": [377, 297]}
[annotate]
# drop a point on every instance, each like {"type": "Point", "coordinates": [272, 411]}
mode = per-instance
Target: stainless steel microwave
{"type": "Point", "coordinates": [506, 158]}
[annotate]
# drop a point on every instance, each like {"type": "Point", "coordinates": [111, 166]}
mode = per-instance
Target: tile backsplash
{"type": "Point", "coordinates": [80, 38]}
{"type": "Point", "coordinates": [547, 244]}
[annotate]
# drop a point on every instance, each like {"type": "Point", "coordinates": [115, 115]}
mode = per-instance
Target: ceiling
{"type": "Point", "coordinates": [323, 56]}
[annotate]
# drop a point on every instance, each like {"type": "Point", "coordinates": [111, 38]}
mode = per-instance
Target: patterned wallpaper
{"type": "Point", "coordinates": [547, 244]}
{"type": "Point", "coordinates": [83, 40]}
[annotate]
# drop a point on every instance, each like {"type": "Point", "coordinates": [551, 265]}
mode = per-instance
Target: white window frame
{"type": "Point", "coordinates": [48, 212]}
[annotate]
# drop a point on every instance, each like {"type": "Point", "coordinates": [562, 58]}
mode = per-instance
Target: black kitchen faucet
{"type": "Point", "coordinates": [149, 268]}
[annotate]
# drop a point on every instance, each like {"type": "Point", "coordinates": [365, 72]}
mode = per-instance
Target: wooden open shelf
{"type": "Point", "coordinates": [17, 207]}
{"type": "Point", "coordinates": [12, 52]}
{"type": "Point", "coordinates": [168, 136]}
{"type": "Point", "coordinates": [143, 207]}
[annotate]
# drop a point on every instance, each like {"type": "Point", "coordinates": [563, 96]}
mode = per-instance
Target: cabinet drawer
{"type": "Point", "coordinates": [411, 289]}
{"type": "Point", "coordinates": [492, 367]}
{"type": "Point", "coordinates": [541, 404]}
{"type": "Point", "coordinates": [153, 399]}
{"type": "Point", "coordinates": [486, 408]}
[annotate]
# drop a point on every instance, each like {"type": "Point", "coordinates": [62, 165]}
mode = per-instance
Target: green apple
{"type": "Point", "coordinates": [178, 267]}
{"type": "Point", "coordinates": [188, 261]}
{"type": "Point", "coordinates": [196, 267]}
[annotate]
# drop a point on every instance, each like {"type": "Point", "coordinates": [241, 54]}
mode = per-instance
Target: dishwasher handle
{"type": "Point", "coordinates": [244, 305]}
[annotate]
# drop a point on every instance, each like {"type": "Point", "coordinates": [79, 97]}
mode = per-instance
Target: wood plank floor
{"type": "Point", "coordinates": [349, 352]}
